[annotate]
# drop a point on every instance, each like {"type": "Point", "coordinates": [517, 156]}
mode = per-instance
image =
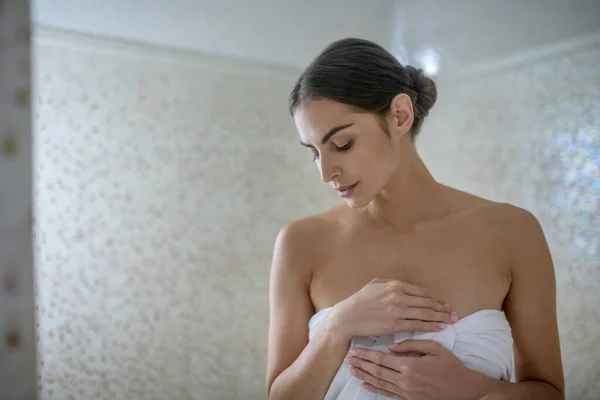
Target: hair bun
{"type": "Point", "coordinates": [362, 74]}
{"type": "Point", "coordinates": [425, 88]}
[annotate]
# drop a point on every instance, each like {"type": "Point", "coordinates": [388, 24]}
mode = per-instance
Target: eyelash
{"type": "Point", "coordinates": [345, 147]}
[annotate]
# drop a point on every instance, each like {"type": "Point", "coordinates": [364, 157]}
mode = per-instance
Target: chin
{"type": "Point", "coordinates": [360, 198]}
{"type": "Point", "coordinates": [355, 202]}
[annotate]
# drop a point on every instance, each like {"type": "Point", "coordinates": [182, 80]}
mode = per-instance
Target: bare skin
{"type": "Point", "coordinates": [421, 240]}
{"type": "Point", "coordinates": [455, 257]}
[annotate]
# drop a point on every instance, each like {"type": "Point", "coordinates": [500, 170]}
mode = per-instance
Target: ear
{"type": "Point", "coordinates": [401, 114]}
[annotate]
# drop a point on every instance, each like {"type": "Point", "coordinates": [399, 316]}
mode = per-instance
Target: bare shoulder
{"type": "Point", "coordinates": [522, 238]}
{"type": "Point", "coordinates": [299, 247]}
{"type": "Point", "coordinates": [306, 239]}
{"type": "Point", "coordinates": [516, 228]}
{"type": "Point", "coordinates": [504, 217]}
{"type": "Point", "coordinates": [310, 232]}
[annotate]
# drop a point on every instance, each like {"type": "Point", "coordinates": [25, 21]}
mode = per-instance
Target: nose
{"type": "Point", "coordinates": [328, 170]}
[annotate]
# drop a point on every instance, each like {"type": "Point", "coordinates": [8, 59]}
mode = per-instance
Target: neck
{"type": "Point", "coordinates": [412, 195]}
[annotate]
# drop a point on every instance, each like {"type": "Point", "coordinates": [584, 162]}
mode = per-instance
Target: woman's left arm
{"type": "Point", "coordinates": [530, 307]}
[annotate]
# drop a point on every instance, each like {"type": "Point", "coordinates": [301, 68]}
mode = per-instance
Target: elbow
{"type": "Point", "coordinates": [558, 392]}
{"type": "Point", "coordinates": [550, 391]}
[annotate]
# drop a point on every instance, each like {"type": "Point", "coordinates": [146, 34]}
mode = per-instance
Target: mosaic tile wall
{"type": "Point", "coordinates": [161, 186]}
{"type": "Point", "coordinates": [17, 313]}
{"type": "Point", "coordinates": [531, 136]}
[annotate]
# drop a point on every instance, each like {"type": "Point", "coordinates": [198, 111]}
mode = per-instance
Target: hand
{"type": "Point", "coordinates": [389, 306]}
{"type": "Point", "coordinates": [437, 375]}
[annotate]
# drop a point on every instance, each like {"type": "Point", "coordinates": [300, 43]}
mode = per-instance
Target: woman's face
{"type": "Point", "coordinates": [352, 150]}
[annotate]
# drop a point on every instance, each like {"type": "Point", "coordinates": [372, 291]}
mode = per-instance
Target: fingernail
{"type": "Point", "coordinates": [443, 326]}
{"type": "Point", "coordinates": [454, 316]}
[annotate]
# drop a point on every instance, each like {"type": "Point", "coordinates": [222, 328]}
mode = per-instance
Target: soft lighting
{"type": "Point", "coordinates": [430, 61]}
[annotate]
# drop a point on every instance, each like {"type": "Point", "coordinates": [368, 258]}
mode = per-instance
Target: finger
{"type": "Point", "coordinates": [418, 291]}
{"type": "Point", "coordinates": [426, 302]}
{"type": "Point", "coordinates": [373, 381]}
{"type": "Point", "coordinates": [382, 392]}
{"type": "Point", "coordinates": [414, 325]}
{"type": "Point", "coordinates": [411, 290]}
{"type": "Point", "coordinates": [387, 360]}
{"type": "Point", "coordinates": [426, 314]}
{"type": "Point", "coordinates": [414, 290]}
{"type": "Point", "coordinates": [422, 346]}
{"type": "Point", "coordinates": [378, 371]}
{"type": "Point", "coordinates": [380, 280]}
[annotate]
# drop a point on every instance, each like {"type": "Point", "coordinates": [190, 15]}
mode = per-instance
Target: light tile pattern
{"type": "Point", "coordinates": [160, 189]}
{"type": "Point", "coordinates": [531, 136]}
{"type": "Point", "coordinates": [161, 186]}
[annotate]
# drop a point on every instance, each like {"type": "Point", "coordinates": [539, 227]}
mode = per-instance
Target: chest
{"type": "Point", "coordinates": [465, 267]}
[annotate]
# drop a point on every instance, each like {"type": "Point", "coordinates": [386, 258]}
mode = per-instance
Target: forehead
{"type": "Point", "coordinates": [314, 118]}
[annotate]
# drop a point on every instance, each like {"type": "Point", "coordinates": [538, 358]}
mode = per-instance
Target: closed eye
{"type": "Point", "coordinates": [345, 147]}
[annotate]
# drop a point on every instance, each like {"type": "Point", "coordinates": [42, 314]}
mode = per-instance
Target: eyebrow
{"type": "Point", "coordinates": [329, 134]}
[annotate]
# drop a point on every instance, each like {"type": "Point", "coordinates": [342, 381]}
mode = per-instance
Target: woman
{"type": "Point", "coordinates": [430, 287]}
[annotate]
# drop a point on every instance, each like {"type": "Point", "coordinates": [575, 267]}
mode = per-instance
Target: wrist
{"type": "Point", "coordinates": [483, 387]}
{"type": "Point", "coordinates": [335, 325]}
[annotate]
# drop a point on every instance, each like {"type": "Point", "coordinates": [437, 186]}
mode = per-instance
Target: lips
{"type": "Point", "coordinates": [342, 188]}
{"type": "Point", "coordinates": [346, 191]}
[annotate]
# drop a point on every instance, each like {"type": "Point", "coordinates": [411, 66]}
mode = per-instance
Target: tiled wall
{"type": "Point", "coordinates": [161, 184]}
{"type": "Point", "coordinates": [531, 136]}
{"type": "Point", "coordinates": [17, 334]}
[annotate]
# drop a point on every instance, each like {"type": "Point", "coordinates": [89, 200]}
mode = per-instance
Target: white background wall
{"type": "Point", "coordinates": [530, 135]}
{"type": "Point", "coordinates": [291, 32]}
{"type": "Point", "coordinates": [161, 183]}
{"type": "Point", "coordinates": [163, 179]}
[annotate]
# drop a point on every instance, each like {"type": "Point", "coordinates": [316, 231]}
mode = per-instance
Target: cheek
{"type": "Point", "coordinates": [383, 157]}
{"type": "Point", "coordinates": [374, 164]}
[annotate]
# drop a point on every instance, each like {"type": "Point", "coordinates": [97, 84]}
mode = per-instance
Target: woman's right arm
{"type": "Point", "coordinates": [297, 368]}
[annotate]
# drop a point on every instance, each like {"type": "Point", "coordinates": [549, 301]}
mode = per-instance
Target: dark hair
{"type": "Point", "coordinates": [364, 75]}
